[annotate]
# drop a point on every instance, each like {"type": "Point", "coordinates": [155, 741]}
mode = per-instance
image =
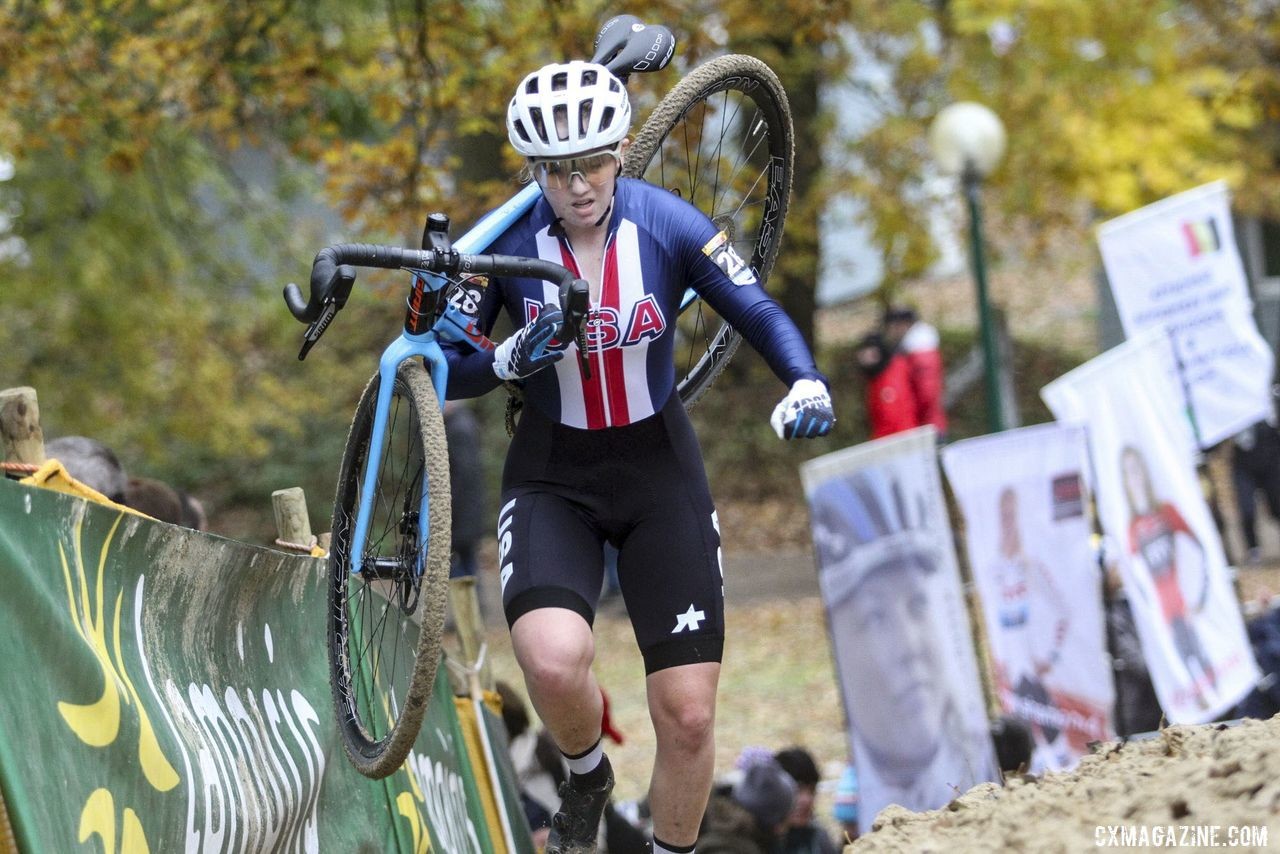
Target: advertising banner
{"type": "Point", "coordinates": [909, 681]}
{"type": "Point", "coordinates": [167, 690]}
{"type": "Point", "coordinates": [1150, 503]}
{"type": "Point", "coordinates": [1174, 267]}
{"type": "Point", "coordinates": [1027, 533]}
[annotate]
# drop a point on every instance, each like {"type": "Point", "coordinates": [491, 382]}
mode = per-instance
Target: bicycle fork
{"type": "Point", "coordinates": [405, 347]}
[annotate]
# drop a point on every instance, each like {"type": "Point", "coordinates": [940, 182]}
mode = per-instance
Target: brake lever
{"type": "Point", "coordinates": [317, 328]}
{"type": "Point", "coordinates": [574, 302]}
{"type": "Point", "coordinates": [339, 289]}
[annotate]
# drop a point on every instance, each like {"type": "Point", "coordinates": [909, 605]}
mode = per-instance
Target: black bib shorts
{"type": "Point", "coordinates": [641, 487]}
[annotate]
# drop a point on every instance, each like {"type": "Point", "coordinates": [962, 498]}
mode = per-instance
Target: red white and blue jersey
{"type": "Point", "coordinates": [657, 246]}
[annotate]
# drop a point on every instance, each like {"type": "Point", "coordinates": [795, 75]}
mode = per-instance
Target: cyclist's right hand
{"type": "Point", "coordinates": [530, 349]}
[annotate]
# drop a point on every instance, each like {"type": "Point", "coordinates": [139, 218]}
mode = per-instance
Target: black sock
{"type": "Point", "coordinates": [595, 778]}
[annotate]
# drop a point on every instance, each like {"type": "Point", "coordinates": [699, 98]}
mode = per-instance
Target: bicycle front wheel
{"type": "Point", "coordinates": [386, 617]}
{"type": "Point", "coordinates": [722, 140]}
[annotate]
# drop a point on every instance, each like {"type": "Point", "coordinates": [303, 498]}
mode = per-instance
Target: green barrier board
{"type": "Point", "coordinates": [167, 690]}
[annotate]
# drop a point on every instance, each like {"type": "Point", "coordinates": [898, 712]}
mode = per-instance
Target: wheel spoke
{"type": "Point", "coordinates": [717, 140]}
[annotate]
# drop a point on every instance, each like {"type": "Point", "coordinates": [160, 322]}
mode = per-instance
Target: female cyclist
{"type": "Point", "coordinates": [608, 454]}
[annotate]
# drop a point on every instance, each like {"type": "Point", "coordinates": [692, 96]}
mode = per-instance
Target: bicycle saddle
{"type": "Point", "coordinates": [625, 45]}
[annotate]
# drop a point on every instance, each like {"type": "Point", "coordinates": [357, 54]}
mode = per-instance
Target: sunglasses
{"type": "Point", "coordinates": [595, 169]}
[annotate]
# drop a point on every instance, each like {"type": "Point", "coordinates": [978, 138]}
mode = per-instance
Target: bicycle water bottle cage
{"type": "Point", "coordinates": [574, 300]}
{"type": "Point", "coordinates": [626, 45]}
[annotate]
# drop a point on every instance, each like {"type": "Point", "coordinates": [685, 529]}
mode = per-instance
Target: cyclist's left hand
{"type": "Point", "coordinates": [805, 412]}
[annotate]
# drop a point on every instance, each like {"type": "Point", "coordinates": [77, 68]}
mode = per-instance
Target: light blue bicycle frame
{"type": "Point", "coordinates": [427, 346]}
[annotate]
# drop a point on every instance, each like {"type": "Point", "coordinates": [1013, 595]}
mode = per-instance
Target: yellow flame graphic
{"type": "Point", "coordinates": [409, 809]}
{"type": "Point", "coordinates": [99, 818]}
{"type": "Point", "coordinates": [98, 723]}
{"type": "Point", "coordinates": [409, 803]}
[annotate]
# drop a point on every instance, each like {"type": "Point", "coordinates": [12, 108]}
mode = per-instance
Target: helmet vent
{"type": "Point", "coordinates": [539, 126]}
{"type": "Point", "coordinates": [561, 114]}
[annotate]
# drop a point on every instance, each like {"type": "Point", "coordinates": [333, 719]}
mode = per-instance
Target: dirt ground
{"type": "Point", "coordinates": [1192, 785]}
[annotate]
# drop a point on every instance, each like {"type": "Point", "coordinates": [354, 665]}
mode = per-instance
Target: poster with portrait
{"type": "Point", "coordinates": [1174, 267]}
{"type": "Point", "coordinates": [904, 655]}
{"type": "Point", "coordinates": [1151, 505]}
{"type": "Point", "coordinates": [1022, 495]}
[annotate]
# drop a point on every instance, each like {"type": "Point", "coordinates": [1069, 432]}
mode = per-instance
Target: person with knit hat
{"type": "Point", "coordinates": [803, 835]}
{"type": "Point", "coordinates": [751, 815]}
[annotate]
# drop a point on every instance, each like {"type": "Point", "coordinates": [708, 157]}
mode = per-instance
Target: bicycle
{"type": "Point", "coordinates": [389, 554]}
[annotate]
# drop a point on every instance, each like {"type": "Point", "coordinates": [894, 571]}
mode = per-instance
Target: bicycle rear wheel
{"type": "Point", "coordinates": [386, 619]}
{"type": "Point", "coordinates": [721, 139]}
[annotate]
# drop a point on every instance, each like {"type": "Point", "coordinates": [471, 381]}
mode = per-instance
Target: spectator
{"type": "Point", "coordinates": [539, 771]}
{"type": "Point", "coordinates": [1014, 744]}
{"type": "Point", "coordinates": [803, 834]}
{"type": "Point", "coordinates": [1255, 465]}
{"type": "Point", "coordinates": [193, 515]}
{"type": "Point", "coordinates": [890, 400]}
{"type": "Point", "coordinates": [1137, 707]}
{"type": "Point", "coordinates": [845, 808]}
{"type": "Point", "coordinates": [90, 462]}
{"type": "Point", "coordinates": [466, 483]}
{"type": "Point", "coordinates": [1263, 702]}
{"type": "Point", "coordinates": [906, 333]}
{"type": "Point", "coordinates": [154, 497]}
{"type": "Point", "coordinates": [751, 817]}
{"type": "Point", "coordinates": [97, 467]}
{"type": "Point", "coordinates": [161, 501]}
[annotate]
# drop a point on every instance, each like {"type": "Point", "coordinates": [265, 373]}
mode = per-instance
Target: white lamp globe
{"type": "Point", "coordinates": [967, 135]}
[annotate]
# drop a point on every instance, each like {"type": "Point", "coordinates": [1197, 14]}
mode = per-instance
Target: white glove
{"type": "Point", "coordinates": [529, 350]}
{"type": "Point", "coordinates": [805, 412]}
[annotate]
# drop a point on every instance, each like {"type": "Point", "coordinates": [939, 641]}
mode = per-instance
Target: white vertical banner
{"type": "Point", "coordinates": [1027, 534]}
{"type": "Point", "coordinates": [904, 654]}
{"type": "Point", "coordinates": [1174, 267]}
{"type": "Point", "coordinates": [1171, 557]}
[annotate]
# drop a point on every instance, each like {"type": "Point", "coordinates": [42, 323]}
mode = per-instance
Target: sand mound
{"type": "Point", "coordinates": [1186, 787]}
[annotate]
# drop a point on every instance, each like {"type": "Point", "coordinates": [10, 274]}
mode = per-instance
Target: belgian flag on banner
{"type": "Point", "coordinates": [1202, 237]}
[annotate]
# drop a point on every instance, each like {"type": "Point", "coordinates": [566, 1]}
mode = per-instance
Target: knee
{"type": "Point", "coordinates": [688, 723]}
{"type": "Point", "coordinates": [557, 668]}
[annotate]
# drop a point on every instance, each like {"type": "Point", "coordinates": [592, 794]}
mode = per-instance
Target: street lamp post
{"type": "Point", "coordinates": [968, 140]}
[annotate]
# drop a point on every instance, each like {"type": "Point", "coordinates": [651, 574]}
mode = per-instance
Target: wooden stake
{"type": "Point", "coordinates": [470, 625]}
{"type": "Point", "coordinates": [293, 525]}
{"type": "Point", "coordinates": [20, 426]}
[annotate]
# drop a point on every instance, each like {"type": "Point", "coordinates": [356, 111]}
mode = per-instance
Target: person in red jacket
{"type": "Point", "coordinates": [917, 341]}
{"type": "Point", "coordinates": [891, 402]}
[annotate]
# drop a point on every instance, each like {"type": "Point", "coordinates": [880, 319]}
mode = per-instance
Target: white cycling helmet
{"type": "Point", "coordinates": [538, 118]}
